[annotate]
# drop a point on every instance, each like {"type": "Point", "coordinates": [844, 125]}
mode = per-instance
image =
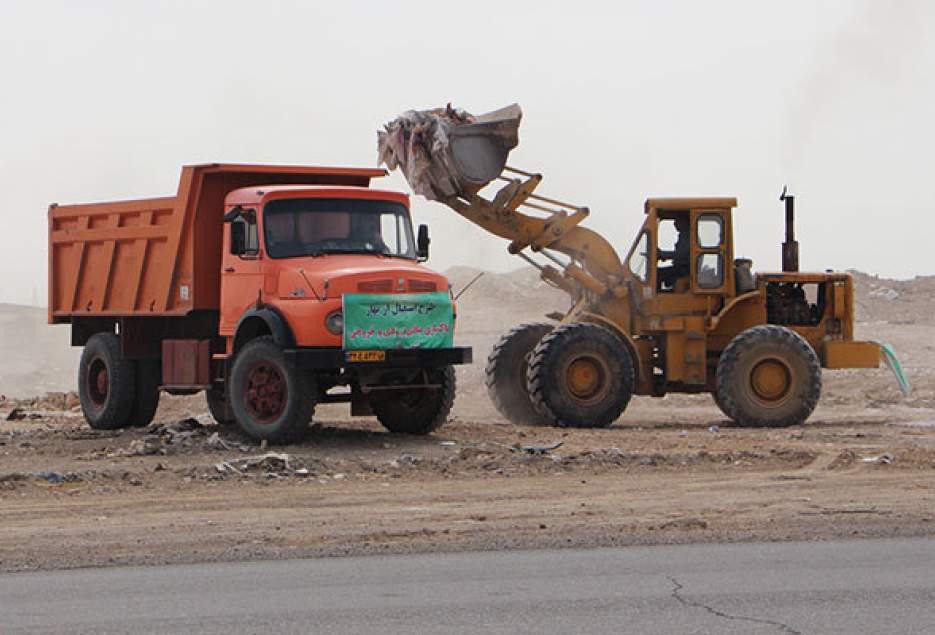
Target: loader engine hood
{"type": "Point", "coordinates": [331, 276]}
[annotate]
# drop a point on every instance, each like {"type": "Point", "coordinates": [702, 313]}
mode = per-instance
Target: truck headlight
{"type": "Point", "coordinates": [335, 323]}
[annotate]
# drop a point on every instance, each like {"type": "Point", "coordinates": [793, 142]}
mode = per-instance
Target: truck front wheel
{"type": "Point", "coordinates": [418, 410]}
{"type": "Point", "coordinates": [269, 399]}
{"type": "Point", "coordinates": [106, 383]}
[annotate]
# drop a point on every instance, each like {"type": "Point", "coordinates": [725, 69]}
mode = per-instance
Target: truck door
{"type": "Point", "coordinates": [241, 269]}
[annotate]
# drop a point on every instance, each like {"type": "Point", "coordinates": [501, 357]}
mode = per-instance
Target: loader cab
{"type": "Point", "coordinates": [685, 247]}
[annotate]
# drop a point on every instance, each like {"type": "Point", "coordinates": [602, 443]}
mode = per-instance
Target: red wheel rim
{"type": "Point", "coordinates": [98, 382]}
{"type": "Point", "coordinates": [265, 392]}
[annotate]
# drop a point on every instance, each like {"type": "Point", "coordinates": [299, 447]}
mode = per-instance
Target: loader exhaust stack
{"type": "Point", "coordinates": [790, 248]}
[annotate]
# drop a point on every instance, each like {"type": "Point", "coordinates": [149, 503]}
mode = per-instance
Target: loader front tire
{"type": "Point", "coordinates": [106, 383]}
{"type": "Point", "coordinates": [270, 399]}
{"type": "Point", "coordinates": [580, 376]}
{"type": "Point", "coordinates": [506, 374]}
{"type": "Point", "coordinates": [418, 410]}
{"type": "Point", "coordinates": [768, 376]}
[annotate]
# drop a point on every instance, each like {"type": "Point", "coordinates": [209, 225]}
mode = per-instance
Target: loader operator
{"type": "Point", "coordinates": [680, 257]}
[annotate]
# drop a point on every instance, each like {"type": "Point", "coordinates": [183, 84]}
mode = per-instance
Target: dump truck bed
{"type": "Point", "coordinates": [158, 256]}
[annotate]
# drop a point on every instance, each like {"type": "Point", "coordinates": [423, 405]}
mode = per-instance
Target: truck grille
{"type": "Point", "coordinates": [375, 286]}
{"type": "Point", "coordinates": [422, 286]}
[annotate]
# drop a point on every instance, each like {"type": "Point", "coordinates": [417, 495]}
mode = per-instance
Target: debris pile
{"type": "Point", "coordinates": [163, 438]}
{"type": "Point", "coordinates": [52, 405]}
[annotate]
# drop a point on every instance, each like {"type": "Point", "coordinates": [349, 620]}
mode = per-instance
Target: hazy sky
{"type": "Point", "coordinates": [622, 100]}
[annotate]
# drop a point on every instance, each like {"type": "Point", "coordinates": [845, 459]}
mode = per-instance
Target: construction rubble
{"type": "Point", "coordinates": [448, 152]}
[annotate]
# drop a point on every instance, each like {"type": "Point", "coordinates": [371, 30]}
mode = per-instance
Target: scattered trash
{"type": "Point", "coordinates": [540, 449]}
{"type": "Point", "coordinates": [271, 463]}
{"type": "Point", "coordinates": [52, 477]}
{"type": "Point", "coordinates": [161, 438]}
{"type": "Point", "coordinates": [448, 443]}
{"type": "Point", "coordinates": [714, 429]}
{"type": "Point", "coordinates": [55, 477]}
{"type": "Point", "coordinates": [884, 459]}
{"type": "Point", "coordinates": [683, 433]}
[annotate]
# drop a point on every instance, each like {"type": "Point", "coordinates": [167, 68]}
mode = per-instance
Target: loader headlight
{"type": "Point", "coordinates": [335, 322]}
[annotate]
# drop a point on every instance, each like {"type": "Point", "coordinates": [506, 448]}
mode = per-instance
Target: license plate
{"type": "Point", "coordinates": [365, 356]}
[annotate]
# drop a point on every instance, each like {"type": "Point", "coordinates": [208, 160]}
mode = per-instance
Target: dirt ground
{"type": "Point", "coordinates": [670, 470]}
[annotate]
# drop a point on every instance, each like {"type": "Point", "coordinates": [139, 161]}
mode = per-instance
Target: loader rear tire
{"type": "Point", "coordinates": [106, 383]}
{"type": "Point", "coordinates": [146, 401]}
{"type": "Point", "coordinates": [768, 376]}
{"type": "Point", "coordinates": [418, 410]}
{"type": "Point", "coordinates": [270, 399]}
{"type": "Point", "coordinates": [506, 374]}
{"type": "Point", "coordinates": [580, 376]}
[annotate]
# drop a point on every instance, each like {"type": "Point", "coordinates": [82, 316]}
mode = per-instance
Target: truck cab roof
{"type": "Point", "coordinates": [259, 194]}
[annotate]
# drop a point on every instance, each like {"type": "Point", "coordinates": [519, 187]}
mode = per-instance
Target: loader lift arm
{"type": "Point", "coordinates": [593, 264]}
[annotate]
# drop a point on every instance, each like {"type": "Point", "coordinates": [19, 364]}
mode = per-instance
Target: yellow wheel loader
{"type": "Point", "coordinates": [677, 314]}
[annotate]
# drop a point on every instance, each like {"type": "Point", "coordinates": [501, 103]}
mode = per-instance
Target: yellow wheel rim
{"type": "Point", "coordinates": [771, 380]}
{"type": "Point", "coordinates": [586, 377]}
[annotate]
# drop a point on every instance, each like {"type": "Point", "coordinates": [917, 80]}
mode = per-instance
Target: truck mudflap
{"type": "Point", "coordinates": [334, 358]}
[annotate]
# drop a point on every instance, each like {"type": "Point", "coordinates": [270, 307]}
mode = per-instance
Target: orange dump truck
{"type": "Point", "coordinates": [272, 288]}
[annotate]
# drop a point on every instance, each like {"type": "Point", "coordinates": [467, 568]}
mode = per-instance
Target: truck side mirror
{"type": "Point", "coordinates": [422, 243]}
{"type": "Point", "coordinates": [238, 238]}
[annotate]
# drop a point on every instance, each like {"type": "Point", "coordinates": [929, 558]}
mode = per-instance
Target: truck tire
{"type": "Point", "coordinates": [506, 374]}
{"type": "Point", "coordinates": [768, 376]}
{"type": "Point", "coordinates": [270, 400]}
{"type": "Point", "coordinates": [218, 406]}
{"type": "Point", "coordinates": [106, 383]}
{"type": "Point", "coordinates": [148, 377]}
{"type": "Point", "coordinates": [418, 410]}
{"type": "Point", "coordinates": [580, 376]}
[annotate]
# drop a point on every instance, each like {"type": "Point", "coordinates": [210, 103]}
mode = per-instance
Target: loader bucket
{"type": "Point", "coordinates": [447, 152]}
{"type": "Point", "coordinates": [479, 150]}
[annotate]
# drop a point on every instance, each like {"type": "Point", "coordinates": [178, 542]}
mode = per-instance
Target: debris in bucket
{"type": "Point", "coordinates": [448, 152]}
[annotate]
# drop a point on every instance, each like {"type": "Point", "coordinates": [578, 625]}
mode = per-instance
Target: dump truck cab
{"type": "Point", "coordinates": [304, 247]}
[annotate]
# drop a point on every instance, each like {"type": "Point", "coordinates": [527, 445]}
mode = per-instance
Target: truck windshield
{"type": "Point", "coordinates": [315, 226]}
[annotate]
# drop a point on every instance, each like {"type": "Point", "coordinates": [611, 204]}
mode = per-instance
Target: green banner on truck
{"type": "Point", "coordinates": [405, 320]}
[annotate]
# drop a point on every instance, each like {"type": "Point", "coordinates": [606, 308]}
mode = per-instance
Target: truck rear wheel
{"type": "Point", "coordinates": [106, 383]}
{"type": "Point", "coordinates": [148, 374]}
{"type": "Point", "coordinates": [218, 406]}
{"type": "Point", "coordinates": [269, 399]}
{"type": "Point", "coordinates": [506, 374]}
{"type": "Point", "coordinates": [768, 376]}
{"type": "Point", "coordinates": [418, 410]}
{"type": "Point", "coordinates": [580, 376]}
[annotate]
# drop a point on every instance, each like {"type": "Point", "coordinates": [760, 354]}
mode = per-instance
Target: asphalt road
{"type": "Point", "coordinates": [861, 586]}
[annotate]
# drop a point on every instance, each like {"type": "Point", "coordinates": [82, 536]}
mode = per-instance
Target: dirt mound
{"type": "Point", "coordinates": [894, 301]}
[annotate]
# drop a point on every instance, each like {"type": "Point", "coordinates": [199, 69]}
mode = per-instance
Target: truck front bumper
{"type": "Point", "coordinates": [335, 358]}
